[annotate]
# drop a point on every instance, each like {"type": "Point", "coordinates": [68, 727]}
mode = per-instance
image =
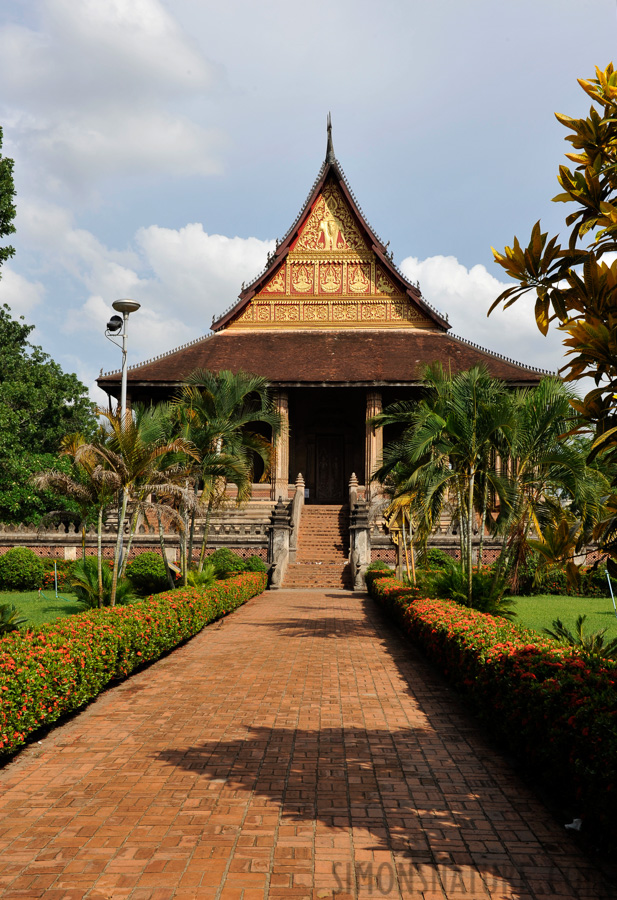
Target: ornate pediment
{"type": "Point", "coordinates": [331, 225]}
{"type": "Point", "coordinates": [331, 272]}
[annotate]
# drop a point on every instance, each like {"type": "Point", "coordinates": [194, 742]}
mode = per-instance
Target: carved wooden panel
{"type": "Point", "coordinates": [330, 225]}
{"type": "Point", "coordinates": [276, 285]}
{"type": "Point", "coordinates": [303, 278]}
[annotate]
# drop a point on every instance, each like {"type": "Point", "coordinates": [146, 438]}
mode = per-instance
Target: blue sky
{"type": "Point", "coordinates": [160, 148]}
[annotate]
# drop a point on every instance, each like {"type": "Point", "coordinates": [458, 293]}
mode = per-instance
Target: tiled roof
{"type": "Point", "coordinates": [325, 357]}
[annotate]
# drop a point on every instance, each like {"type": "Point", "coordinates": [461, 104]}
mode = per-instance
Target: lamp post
{"type": "Point", "coordinates": [114, 326]}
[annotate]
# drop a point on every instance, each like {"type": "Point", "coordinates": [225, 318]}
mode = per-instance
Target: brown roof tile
{"type": "Point", "coordinates": [317, 357]}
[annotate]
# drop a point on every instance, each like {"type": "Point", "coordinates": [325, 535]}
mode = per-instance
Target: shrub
{"type": "Point", "coordinates": [226, 562]}
{"type": "Point", "coordinates": [63, 569]}
{"type": "Point", "coordinates": [450, 583]}
{"type": "Point", "coordinates": [376, 569]}
{"type": "Point", "coordinates": [255, 564]}
{"type": "Point", "coordinates": [204, 579]}
{"type": "Point", "coordinates": [20, 570]}
{"type": "Point", "coordinates": [56, 669]}
{"type": "Point", "coordinates": [85, 583]}
{"type": "Point", "coordinates": [434, 558]}
{"type": "Point", "coordinates": [544, 701]}
{"type": "Point", "coordinates": [9, 618]}
{"type": "Point", "coordinates": [148, 574]}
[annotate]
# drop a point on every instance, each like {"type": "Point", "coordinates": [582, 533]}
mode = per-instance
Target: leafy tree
{"type": "Point", "coordinates": [576, 285]}
{"type": "Point", "coordinates": [7, 207]}
{"type": "Point", "coordinates": [39, 405]}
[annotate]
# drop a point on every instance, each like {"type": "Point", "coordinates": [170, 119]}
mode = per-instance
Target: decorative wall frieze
{"type": "Point", "coordinates": [316, 311]}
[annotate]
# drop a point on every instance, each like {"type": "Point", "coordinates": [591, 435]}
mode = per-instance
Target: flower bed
{"type": "Point", "coordinates": [552, 706]}
{"type": "Point", "coordinates": [54, 670]}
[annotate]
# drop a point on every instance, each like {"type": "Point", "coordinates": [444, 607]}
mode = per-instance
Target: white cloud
{"type": "Point", "coordinates": [182, 277]}
{"type": "Point", "coordinates": [19, 293]}
{"type": "Point", "coordinates": [201, 273]}
{"type": "Point", "coordinates": [466, 295]}
{"type": "Point", "coordinates": [115, 75]}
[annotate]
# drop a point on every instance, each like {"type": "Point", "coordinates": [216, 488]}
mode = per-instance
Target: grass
{"type": "Point", "coordinates": [539, 612]}
{"type": "Point", "coordinates": [38, 609]}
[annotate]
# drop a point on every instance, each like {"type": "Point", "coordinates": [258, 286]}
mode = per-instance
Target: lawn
{"type": "Point", "coordinates": [38, 609]}
{"type": "Point", "coordinates": [539, 612]}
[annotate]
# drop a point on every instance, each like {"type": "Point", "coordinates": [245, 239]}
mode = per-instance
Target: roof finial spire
{"type": "Point", "coordinates": [329, 148]}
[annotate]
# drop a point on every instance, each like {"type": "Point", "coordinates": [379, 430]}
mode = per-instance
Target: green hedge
{"type": "Point", "coordinates": [547, 703]}
{"type": "Point", "coordinates": [54, 670]}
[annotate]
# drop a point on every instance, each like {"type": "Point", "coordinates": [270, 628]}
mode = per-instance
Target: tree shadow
{"type": "Point", "coordinates": [443, 830]}
{"type": "Point", "coordinates": [325, 627]}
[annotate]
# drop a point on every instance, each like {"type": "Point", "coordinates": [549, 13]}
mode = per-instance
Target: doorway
{"type": "Point", "coordinates": [330, 468]}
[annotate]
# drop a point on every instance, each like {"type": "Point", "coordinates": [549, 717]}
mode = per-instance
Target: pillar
{"type": "Point", "coordinates": [280, 473]}
{"type": "Point", "coordinates": [374, 441]}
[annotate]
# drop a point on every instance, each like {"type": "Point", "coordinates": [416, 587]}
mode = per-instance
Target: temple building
{"type": "Point", "coordinates": [339, 333]}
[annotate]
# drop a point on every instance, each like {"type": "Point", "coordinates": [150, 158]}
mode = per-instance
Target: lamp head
{"type": "Point", "coordinates": [126, 306]}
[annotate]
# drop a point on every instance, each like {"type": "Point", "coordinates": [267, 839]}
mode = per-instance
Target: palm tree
{"type": "Point", "coordinates": [93, 490]}
{"type": "Point", "coordinates": [548, 471]}
{"type": "Point", "coordinates": [132, 449]}
{"type": "Point", "coordinates": [446, 450]}
{"type": "Point", "coordinates": [219, 412]}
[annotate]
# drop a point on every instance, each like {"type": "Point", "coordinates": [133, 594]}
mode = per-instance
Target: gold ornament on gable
{"type": "Point", "coordinates": [303, 278]}
{"type": "Point", "coordinates": [331, 278]}
{"type": "Point", "coordinates": [383, 283]}
{"type": "Point", "coordinates": [359, 278]}
{"type": "Point", "coordinates": [247, 314]}
{"type": "Point", "coordinates": [344, 312]}
{"type": "Point", "coordinates": [276, 285]}
{"type": "Point", "coordinates": [330, 225]}
{"type": "Point", "coordinates": [287, 312]}
{"type": "Point", "coordinates": [315, 312]}
{"type": "Point", "coordinates": [374, 311]}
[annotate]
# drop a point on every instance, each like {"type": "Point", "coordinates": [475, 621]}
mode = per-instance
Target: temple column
{"type": "Point", "coordinates": [374, 442]}
{"type": "Point", "coordinates": [280, 469]}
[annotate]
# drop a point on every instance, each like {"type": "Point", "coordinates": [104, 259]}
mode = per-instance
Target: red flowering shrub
{"type": "Point", "coordinates": [549, 704]}
{"type": "Point", "coordinates": [60, 666]}
{"type": "Point", "coordinates": [63, 570]}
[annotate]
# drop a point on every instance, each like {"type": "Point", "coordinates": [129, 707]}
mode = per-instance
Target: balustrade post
{"type": "Point", "coordinates": [280, 529]}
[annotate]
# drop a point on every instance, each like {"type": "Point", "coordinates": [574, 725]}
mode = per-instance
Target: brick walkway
{"type": "Point", "coordinates": [298, 749]}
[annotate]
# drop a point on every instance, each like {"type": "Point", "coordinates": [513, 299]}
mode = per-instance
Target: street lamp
{"type": "Point", "coordinates": [118, 326]}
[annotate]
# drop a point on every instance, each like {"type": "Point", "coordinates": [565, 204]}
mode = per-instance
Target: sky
{"type": "Point", "coordinates": [162, 147]}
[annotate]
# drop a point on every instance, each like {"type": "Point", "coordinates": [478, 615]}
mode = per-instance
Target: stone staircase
{"type": "Point", "coordinates": [323, 548]}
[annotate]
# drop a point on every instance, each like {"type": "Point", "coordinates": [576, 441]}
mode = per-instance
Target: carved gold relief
{"type": "Point", "coordinates": [373, 311]}
{"type": "Point", "coordinates": [331, 278]}
{"type": "Point", "coordinates": [247, 315]}
{"type": "Point", "coordinates": [344, 312]}
{"type": "Point", "coordinates": [330, 225]}
{"type": "Point", "coordinates": [358, 279]}
{"type": "Point", "coordinates": [302, 278]}
{"type": "Point", "coordinates": [398, 309]}
{"type": "Point", "coordinates": [263, 313]}
{"type": "Point", "coordinates": [315, 312]}
{"type": "Point", "coordinates": [287, 312]}
{"type": "Point", "coordinates": [276, 285]}
{"type": "Point", "coordinates": [383, 284]}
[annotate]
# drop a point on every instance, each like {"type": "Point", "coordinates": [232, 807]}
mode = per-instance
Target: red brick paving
{"type": "Point", "coordinates": [298, 749]}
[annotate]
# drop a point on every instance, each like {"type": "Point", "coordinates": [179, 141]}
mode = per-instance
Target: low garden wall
{"type": "Point", "coordinates": [59, 667]}
{"type": "Point", "coordinates": [547, 703]}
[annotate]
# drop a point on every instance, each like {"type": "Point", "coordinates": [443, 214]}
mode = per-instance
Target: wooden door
{"type": "Point", "coordinates": [330, 468]}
